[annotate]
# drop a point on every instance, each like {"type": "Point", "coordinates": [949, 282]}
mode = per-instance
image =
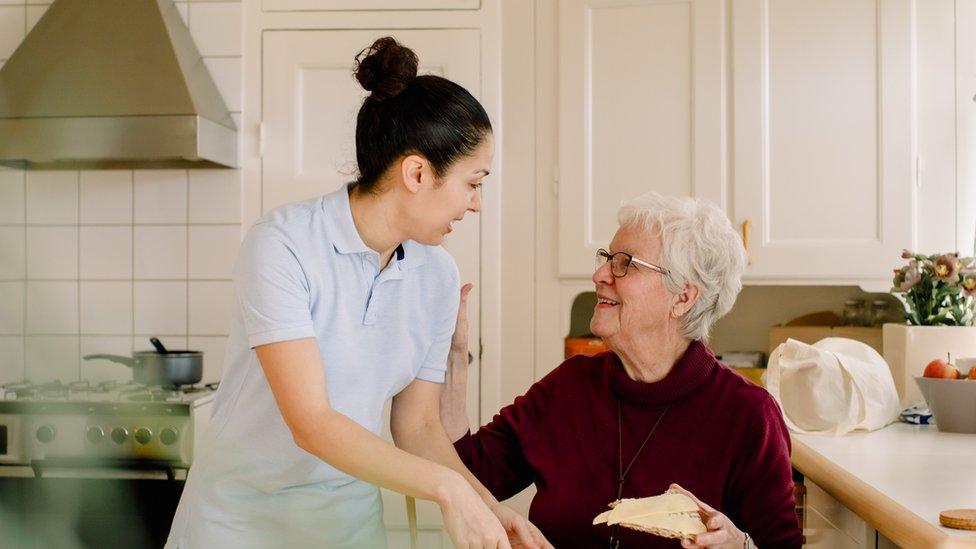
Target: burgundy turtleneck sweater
{"type": "Point", "coordinates": [722, 438]}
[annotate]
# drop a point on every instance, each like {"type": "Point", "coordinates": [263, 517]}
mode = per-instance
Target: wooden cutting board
{"type": "Point", "coordinates": [962, 519]}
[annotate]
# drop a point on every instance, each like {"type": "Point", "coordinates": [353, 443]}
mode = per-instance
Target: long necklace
{"type": "Point", "coordinates": [621, 472]}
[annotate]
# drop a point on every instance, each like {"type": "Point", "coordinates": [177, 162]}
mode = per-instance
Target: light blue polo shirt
{"type": "Point", "coordinates": [303, 271]}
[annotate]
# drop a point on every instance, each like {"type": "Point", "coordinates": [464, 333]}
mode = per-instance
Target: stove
{"type": "Point", "coordinates": [89, 427]}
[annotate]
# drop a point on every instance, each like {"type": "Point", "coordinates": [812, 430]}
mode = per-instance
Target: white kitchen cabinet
{"type": "Point", "coordinates": [310, 100]}
{"type": "Point", "coordinates": [830, 525]}
{"type": "Point", "coordinates": [361, 5]}
{"type": "Point", "coordinates": [823, 138]}
{"type": "Point", "coordinates": [641, 107]}
{"type": "Point", "coordinates": [810, 146]}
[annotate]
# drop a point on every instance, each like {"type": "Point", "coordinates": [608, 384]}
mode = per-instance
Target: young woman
{"type": "Point", "coordinates": [343, 302]}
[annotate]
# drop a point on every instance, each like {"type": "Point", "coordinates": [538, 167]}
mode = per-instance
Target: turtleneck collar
{"type": "Point", "coordinates": [685, 376]}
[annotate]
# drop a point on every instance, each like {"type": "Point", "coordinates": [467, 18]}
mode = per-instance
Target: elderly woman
{"type": "Point", "coordinates": [656, 410]}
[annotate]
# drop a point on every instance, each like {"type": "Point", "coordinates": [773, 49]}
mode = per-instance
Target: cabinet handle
{"type": "Point", "coordinates": [745, 240]}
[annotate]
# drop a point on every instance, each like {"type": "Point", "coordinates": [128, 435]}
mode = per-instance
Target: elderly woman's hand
{"type": "Point", "coordinates": [454, 415]}
{"type": "Point", "coordinates": [721, 534]}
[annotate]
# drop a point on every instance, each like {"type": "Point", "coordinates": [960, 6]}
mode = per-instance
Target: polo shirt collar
{"type": "Point", "coordinates": [346, 238]}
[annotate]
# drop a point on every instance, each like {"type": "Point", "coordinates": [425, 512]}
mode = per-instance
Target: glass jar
{"type": "Point", "coordinates": [879, 312]}
{"type": "Point", "coordinates": [853, 312]}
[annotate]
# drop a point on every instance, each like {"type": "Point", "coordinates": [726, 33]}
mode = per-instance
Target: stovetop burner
{"type": "Point", "coordinates": [86, 391]}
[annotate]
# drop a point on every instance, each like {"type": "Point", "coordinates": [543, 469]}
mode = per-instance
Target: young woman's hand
{"type": "Point", "coordinates": [521, 532]}
{"type": "Point", "coordinates": [469, 521]}
{"type": "Point", "coordinates": [721, 534]}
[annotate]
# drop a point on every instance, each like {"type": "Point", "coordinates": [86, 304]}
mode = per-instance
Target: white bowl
{"type": "Point", "coordinates": [952, 401]}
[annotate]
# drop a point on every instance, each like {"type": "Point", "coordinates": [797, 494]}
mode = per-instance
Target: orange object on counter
{"type": "Point", "coordinates": [588, 346]}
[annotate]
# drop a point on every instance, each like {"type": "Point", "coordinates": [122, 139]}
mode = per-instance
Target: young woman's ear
{"type": "Point", "coordinates": [414, 170]}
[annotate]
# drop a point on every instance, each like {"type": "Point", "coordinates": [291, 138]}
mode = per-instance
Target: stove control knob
{"type": "Point", "coordinates": [168, 436]}
{"type": "Point", "coordinates": [95, 434]}
{"type": "Point", "coordinates": [120, 435]}
{"type": "Point", "coordinates": [143, 435]}
{"type": "Point", "coordinates": [46, 434]}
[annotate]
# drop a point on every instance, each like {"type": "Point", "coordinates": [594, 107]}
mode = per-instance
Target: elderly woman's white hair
{"type": "Point", "coordinates": [699, 246]}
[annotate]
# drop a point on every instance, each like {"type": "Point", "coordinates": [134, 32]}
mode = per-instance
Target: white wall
{"type": "Point", "coordinates": [98, 261]}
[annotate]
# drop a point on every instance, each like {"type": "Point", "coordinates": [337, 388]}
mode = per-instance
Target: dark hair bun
{"type": "Point", "coordinates": [385, 68]}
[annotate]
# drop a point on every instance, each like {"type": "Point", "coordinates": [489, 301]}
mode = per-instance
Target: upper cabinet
{"type": "Point", "coordinates": [642, 107]}
{"type": "Point", "coordinates": [824, 162]}
{"type": "Point", "coordinates": [364, 5]}
{"type": "Point", "coordinates": [826, 130]}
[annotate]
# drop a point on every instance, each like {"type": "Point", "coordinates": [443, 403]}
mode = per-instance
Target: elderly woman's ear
{"type": "Point", "coordinates": [685, 300]}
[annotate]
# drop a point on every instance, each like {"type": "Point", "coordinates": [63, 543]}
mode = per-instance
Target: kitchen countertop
{"type": "Point", "coordinates": [897, 479]}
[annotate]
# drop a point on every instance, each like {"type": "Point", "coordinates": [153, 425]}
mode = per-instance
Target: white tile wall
{"type": "Point", "coordinates": [97, 261]}
{"type": "Point", "coordinates": [213, 250]}
{"type": "Point", "coordinates": [160, 196]}
{"type": "Point", "coordinates": [34, 14]}
{"type": "Point", "coordinates": [106, 307]}
{"type": "Point", "coordinates": [215, 196]}
{"type": "Point", "coordinates": [106, 196]}
{"type": "Point", "coordinates": [52, 252]}
{"type": "Point", "coordinates": [160, 252]}
{"type": "Point", "coordinates": [12, 297]}
{"type": "Point", "coordinates": [12, 206]}
{"type": "Point", "coordinates": [47, 358]}
{"type": "Point", "coordinates": [106, 252]}
{"type": "Point", "coordinates": [52, 308]}
{"type": "Point", "coordinates": [12, 351]}
{"type": "Point", "coordinates": [13, 260]}
{"type": "Point", "coordinates": [210, 306]}
{"type": "Point", "coordinates": [160, 308]}
{"type": "Point", "coordinates": [12, 20]}
{"type": "Point", "coordinates": [52, 197]}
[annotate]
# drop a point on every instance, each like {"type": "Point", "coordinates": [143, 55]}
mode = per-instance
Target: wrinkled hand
{"type": "Point", "coordinates": [721, 534]}
{"type": "Point", "coordinates": [459, 343]}
{"type": "Point", "coordinates": [453, 401]}
{"type": "Point", "coordinates": [521, 532]}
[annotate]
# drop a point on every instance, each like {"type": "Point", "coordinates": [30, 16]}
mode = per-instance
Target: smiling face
{"type": "Point", "coordinates": [638, 307]}
{"type": "Point", "coordinates": [438, 203]}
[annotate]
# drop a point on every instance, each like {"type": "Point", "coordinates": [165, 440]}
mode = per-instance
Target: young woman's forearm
{"type": "Point", "coordinates": [429, 441]}
{"type": "Point", "coordinates": [347, 446]}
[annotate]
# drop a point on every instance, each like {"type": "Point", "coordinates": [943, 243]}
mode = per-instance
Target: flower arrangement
{"type": "Point", "coordinates": [940, 290]}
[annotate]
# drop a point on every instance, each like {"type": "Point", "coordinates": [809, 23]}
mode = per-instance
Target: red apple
{"type": "Point", "coordinates": [972, 372]}
{"type": "Point", "coordinates": [941, 369]}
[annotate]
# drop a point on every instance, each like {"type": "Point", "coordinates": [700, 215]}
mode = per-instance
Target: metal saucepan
{"type": "Point", "coordinates": [162, 366]}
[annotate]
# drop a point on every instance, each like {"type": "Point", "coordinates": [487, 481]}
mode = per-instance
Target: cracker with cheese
{"type": "Point", "coordinates": [670, 515]}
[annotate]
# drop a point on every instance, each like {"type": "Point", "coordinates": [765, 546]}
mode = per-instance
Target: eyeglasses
{"type": "Point", "coordinates": [620, 262]}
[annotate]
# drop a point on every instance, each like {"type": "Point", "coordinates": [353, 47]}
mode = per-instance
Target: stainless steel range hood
{"type": "Point", "coordinates": [112, 84]}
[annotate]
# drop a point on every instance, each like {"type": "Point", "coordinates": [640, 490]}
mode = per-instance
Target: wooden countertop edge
{"type": "Point", "coordinates": [884, 514]}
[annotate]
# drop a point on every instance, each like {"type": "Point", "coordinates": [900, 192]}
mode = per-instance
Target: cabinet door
{"type": "Point", "coordinates": [642, 107]}
{"type": "Point", "coordinates": [362, 5]}
{"type": "Point", "coordinates": [310, 101]}
{"type": "Point", "coordinates": [828, 524]}
{"type": "Point", "coordinates": [823, 161]}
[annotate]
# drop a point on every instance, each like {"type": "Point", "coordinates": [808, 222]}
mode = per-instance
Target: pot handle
{"type": "Point", "coordinates": [130, 362]}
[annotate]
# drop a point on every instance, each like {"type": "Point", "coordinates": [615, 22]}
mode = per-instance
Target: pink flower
{"type": "Point", "coordinates": [969, 283]}
{"type": "Point", "coordinates": [905, 254]}
{"type": "Point", "coordinates": [946, 267]}
{"type": "Point", "coordinates": [910, 277]}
